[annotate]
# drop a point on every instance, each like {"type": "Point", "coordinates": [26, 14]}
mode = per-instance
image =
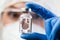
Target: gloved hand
{"type": "Point", "coordinates": [51, 24]}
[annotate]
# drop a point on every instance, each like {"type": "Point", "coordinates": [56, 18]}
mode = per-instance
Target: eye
{"type": "Point", "coordinates": [13, 14]}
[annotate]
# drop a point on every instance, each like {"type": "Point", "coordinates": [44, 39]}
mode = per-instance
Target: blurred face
{"type": "Point", "coordinates": [10, 16]}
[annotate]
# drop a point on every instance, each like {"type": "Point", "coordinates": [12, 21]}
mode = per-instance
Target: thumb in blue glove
{"type": "Point", "coordinates": [34, 36]}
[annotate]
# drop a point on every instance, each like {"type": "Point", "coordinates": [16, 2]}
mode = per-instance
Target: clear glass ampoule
{"type": "Point", "coordinates": [25, 22]}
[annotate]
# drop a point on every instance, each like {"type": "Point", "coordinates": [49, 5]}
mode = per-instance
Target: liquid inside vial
{"type": "Point", "coordinates": [25, 23]}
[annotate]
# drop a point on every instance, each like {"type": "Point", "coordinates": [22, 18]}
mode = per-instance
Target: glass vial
{"type": "Point", "coordinates": [25, 22]}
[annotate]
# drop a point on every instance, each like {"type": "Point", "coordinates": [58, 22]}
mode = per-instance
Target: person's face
{"type": "Point", "coordinates": [9, 17]}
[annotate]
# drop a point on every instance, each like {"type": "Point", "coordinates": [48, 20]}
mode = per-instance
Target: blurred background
{"type": "Point", "coordinates": [10, 22]}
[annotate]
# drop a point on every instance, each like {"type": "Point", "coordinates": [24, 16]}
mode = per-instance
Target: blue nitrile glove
{"type": "Point", "coordinates": [50, 23]}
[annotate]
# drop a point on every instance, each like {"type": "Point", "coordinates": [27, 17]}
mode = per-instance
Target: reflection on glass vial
{"type": "Point", "coordinates": [25, 22]}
